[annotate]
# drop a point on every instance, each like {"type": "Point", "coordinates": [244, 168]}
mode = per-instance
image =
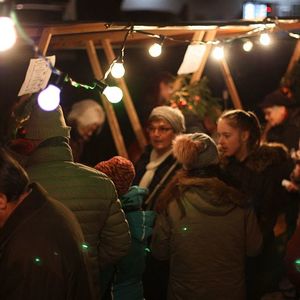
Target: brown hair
{"type": "Point", "coordinates": [245, 121]}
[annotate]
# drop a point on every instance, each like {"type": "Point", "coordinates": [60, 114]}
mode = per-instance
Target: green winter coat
{"type": "Point", "coordinates": [206, 234]}
{"type": "Point", "coordinates": [87, 192]}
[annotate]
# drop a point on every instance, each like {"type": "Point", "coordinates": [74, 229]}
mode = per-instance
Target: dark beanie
{"type": "Point", "coordinates": [120, 170]}
{"type": "Point", "coordinates": [276, 98]}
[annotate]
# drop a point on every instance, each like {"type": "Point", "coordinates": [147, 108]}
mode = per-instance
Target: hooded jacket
{"type": "Point", "coordinates": [206, 234]}
{"type": "Point", "coordinates": [91, 196]}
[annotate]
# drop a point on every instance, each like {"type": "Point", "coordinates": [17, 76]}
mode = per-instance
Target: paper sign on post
{"type": "Point", "coordinates": [192, 59]}
{"type": "Point", "coordinates": [37, 75]}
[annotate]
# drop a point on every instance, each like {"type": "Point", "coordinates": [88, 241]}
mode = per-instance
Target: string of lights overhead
{"type": "Point", "coordinates": [49, 98]}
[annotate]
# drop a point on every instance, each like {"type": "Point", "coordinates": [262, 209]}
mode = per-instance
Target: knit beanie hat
{"type": "Point", "coordinates": [43, 125]}
{"type": "Point", "coordinates": [173, 115]}
{"type": "Point", "coordinates": [87, 112]}
{"type": "Point", "coordinates": [195, 150]}
{"type": "Point", "coordinates": [120, 170]}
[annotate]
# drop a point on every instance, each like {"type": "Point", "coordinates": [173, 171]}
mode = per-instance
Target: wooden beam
{"type": "Point", "coordinates": [209, 36]}
{"type": "Point", "coordinates": [135, 122]}
{"type": "Point", "coordinates": [230, 84]}
{"type": "Point", "coordinates": [295, 57]}
{"type": "Point", "coordinates": [45, 41]}
{"type": "Point", "coordinates": [110, 113]}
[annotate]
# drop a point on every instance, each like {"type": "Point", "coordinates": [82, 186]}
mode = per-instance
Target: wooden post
{"type": "Point", "coordinates": [135, 122]}
{"type": "Point", "coordinates": [295, 57]}
{"type": "Point", "coordinates": [230, 84]}
{"type": "Point", "coordinates": [209, 36]}
{"type": "Point", "coordinates": [111, 116]}
{"type": "Point", "coordinates": [45, 41]}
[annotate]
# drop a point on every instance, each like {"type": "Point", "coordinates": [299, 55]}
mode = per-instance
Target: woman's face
{"type": "Point", "coordinates": [86, 132]}
{"type": "Point", "coordinates": [161, 135]}
{"type": "Point", "coordinates": [231, 141]}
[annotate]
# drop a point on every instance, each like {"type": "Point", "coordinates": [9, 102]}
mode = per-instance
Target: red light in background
{"type": "Point", "coordinates": [269, 9]}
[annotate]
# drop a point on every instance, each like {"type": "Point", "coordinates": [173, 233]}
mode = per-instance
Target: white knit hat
{"type": "Point", "coordinates": [195, 150]}
{"type": "Point", "coordinates": [43, 125]}
{"type": "Point", "coordinates": [173, 115]}
{"type": "Point", "coordinates": [87, 112]}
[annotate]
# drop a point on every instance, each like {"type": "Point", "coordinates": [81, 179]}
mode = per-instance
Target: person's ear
{"type": "Point", "coordinates": [245, 136]}
{"type": "Point", "coordinates": [3, 201]}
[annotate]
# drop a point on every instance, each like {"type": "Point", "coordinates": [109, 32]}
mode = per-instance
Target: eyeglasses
{"type": "Point", "coordinates": [160, 129]}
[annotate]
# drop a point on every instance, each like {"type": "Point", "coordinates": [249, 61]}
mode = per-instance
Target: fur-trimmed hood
{"type": "Point", "coordinates": [268, 154]}
{"type": "Point", "coordinates": [210, 195]}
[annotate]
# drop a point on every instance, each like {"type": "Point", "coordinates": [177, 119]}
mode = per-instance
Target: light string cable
{"type": "Point", "coordinates": [120, 57]}
{"type": "Point", "coordinates": [268, 25]}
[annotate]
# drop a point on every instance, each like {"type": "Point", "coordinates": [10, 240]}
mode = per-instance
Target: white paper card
{"type": "Point", "coordinates": [37, 75]}
{"type": "Point", "coordinates": [192, 59]}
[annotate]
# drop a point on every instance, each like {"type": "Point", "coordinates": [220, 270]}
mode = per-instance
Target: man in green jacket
{"type": "Point", "coordinates": [90, 194]}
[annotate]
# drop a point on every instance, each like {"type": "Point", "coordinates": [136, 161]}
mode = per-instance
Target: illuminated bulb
{"type": "Point", "coordinates": [155, 50]}
{"type": "Point", "coordinates": [117, 70]}
{"type": "Point", "coordinates": [218, 53]}
{"type": "Point", "coordinates": [49, 98]}
{"type": "Point", "coordinates": [265, 39]}
{"type": "Point", "coordinates": [113, 94]}
{"type": "Point", "coordinates": [7, 33]}
{"type": "Point", "coordinates": [247, 46]}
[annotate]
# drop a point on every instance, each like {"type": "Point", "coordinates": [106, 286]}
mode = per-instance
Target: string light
{"type": "Point", "coordinates": [113, 94]}
{"type": "Point", "coordinates": [247, 46]}
{"type": "Point", "coordinates": [218, 52]}
{"type": "Point", "coordinates": [155, 50]}
{"type": "Point", "coordinates": [8, 32]}
{"type": "Point", "coordinates": [116, 68]}
{"type": "Point", "coordinates": [265, 39]}
{"type": "Point", "coordinates": [49, 98]}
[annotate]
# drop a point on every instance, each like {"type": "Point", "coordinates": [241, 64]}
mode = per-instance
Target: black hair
{"type": "Point", "coordinates": [13, 178]}
{"type": "Point", "coordinates": [245, 121]}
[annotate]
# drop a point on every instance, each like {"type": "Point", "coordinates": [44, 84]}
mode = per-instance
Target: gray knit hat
{"type": "Point", "coordinates": [195, 150]}
{"type": "Point", "coordinates": [173, 115]}
{"type": "Point", "coordinates": [43, 125]}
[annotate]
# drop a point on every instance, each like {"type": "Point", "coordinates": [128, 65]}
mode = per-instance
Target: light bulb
{"type": "Point", "coordinates": [49, 98]}
{"type": "Point", "coordinates": [265, 39]}
{"type": "Point", "coordinates": [117, 70]}
{"type": "Point", "coordinates": [247, 46]}
{"type": "Point", "coordinates": [218, 53]}
{"type": "Point", "coordinates": [7, 33]}
{"type": "Point", "coordinates": [113, 94]}
{"type": "Point", "coordinates": [155, 50]}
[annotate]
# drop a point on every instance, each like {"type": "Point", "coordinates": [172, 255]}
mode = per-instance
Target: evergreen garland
{"type": "Point", "coordinates": [196, 98]}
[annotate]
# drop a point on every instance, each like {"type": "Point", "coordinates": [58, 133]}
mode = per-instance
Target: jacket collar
{"type": "Point", "coordinates": [54, 151]}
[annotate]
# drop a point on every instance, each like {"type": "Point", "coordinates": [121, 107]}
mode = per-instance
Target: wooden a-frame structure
{"type": "Point", "coordinates": [90, 36]}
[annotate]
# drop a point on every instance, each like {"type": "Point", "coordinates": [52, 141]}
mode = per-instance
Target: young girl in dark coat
{"type": "Point", "coordinates": [257, 170]}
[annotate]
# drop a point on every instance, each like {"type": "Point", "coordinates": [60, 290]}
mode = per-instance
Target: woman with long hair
{"type": "Point", "coordinates": [257, 170]}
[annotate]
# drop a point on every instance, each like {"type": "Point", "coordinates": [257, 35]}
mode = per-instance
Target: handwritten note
{"type": "Point", "coordinates": [37, 75]}
{"type": "Point", "coordinates": [192, 59]}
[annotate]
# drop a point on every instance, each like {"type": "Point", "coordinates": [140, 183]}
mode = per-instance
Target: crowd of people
{"type": "Point", "coordinates": [195, 217]}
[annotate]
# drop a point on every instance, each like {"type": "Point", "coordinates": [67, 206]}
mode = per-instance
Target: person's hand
{"type": "Point", "coordinates": [290, 186]}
